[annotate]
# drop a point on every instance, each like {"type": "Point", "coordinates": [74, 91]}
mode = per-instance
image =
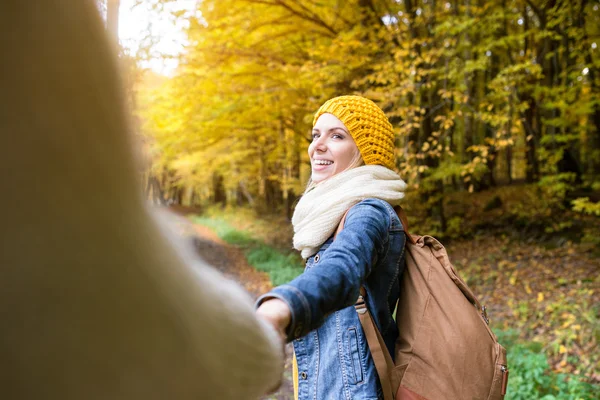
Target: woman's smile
{"type": "Point", "coordinates": [320, 165]}
{"type": "Point", "coordinates": [332, 150]}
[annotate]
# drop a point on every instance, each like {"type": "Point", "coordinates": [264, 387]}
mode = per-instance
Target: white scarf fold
{"type": "Point", "coordinates": [320, 211]}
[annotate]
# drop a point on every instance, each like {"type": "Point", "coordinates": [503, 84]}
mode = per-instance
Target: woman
{"type": "Point", "coordinates": [352, 156]}
{"type": "Point", "coordinates": [97, 299]}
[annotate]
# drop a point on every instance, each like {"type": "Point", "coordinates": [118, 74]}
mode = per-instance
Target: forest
{"type": "Point", "coordinates": [496, 110]}
{"type": "Point", "coordinates": [481, 94]}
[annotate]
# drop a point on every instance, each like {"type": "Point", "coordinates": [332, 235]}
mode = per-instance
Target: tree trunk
{"type": "Point", "coordinates": [112, 19]}
{"type": "Point", "coordinates": [219, 195]}
{"type": "Point", "coordinates": [593, 132]}
{"type": "Point", "coordinates": [155, 191]}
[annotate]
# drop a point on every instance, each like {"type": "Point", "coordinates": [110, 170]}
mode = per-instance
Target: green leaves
{"type": "Point", "coordinates": [478, 94]}
{"type": "Point", "coordinates": [584, 205]}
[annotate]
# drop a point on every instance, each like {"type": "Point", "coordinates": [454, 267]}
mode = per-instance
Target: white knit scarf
{"type": "Point", "coordinates": [320, 210]}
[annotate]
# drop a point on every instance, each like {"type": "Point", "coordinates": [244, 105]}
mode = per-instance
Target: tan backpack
{"type": "Point", "coordinates": [445, 348]}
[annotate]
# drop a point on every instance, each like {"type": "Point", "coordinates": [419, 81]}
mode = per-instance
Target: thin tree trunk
{"type": "Point", "coordinates": [112, 19]}
{"type": "Point", "coordinates": [593, 132]}
{"type": "Point", "coordinates": [157, 193]}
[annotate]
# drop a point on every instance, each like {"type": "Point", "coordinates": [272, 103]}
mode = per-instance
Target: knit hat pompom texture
{"type": "Point", "coordinates": [368, 125]}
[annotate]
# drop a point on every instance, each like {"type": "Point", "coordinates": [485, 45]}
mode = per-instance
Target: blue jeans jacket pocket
{"type": "Point", "coordinates": [355, 356]}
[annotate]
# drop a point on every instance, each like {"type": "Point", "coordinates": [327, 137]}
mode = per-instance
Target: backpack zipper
{"type": "Point", "coordinates": [360, 305]}
{"type": "Point", "coordinates": [504, 370]}
{"type": "Point", "coordinates": [484, 314]}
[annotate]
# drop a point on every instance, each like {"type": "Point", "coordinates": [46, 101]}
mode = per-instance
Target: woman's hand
{"type": "Point", "coordinates": [277, 313]}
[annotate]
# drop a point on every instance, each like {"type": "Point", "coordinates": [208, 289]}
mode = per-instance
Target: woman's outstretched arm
{"type": "Point", "coordinates": [335, 283]}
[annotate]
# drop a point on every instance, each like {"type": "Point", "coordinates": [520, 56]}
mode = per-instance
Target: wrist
{"type": "Point", "coordinates": [277, 312]}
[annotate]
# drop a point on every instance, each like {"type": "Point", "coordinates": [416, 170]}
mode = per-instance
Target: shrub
{"type": "Point", "coordinates": [531, 378]}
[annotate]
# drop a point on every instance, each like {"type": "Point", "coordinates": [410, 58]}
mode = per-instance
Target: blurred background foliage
{"type": "Point", "coordinates": [496, 109]}
{"type": "Point", "coordinates": [482, 94]}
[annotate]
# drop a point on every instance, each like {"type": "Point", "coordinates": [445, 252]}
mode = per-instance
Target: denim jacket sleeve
{"type": "Point", "coordinates": [343, 267]}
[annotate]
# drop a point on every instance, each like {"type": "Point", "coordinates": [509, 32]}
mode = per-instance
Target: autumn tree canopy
{"type": "Point", "coordinates": [480, 94]}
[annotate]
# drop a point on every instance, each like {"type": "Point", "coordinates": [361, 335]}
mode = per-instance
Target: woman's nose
{"type": "Point", "coordinates": [320, 144]}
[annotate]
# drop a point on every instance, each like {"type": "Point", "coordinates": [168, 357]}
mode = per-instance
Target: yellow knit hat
{"type": "Point", "coordinates": [368, 125]}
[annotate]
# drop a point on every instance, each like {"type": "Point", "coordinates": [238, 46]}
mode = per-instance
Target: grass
{"type": "Point", "coordinates": [551, 351]}
{"type": "Point", "coordinates": [280, 267]}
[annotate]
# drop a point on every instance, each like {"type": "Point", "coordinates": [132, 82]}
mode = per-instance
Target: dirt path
{"type": "Point", "coordinates": [232, 263]}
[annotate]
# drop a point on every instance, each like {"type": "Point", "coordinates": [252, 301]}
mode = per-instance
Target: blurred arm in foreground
{"type": "Point", "coordinates": [97, 299]}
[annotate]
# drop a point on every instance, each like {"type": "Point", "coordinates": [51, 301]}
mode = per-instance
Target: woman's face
{"type": "Point", "coordinates": [332, 149]}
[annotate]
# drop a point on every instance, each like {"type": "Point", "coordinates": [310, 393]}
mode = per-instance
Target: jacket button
{"type": "Point", "coordinates": [317, 258]}
{"type": "Point", "coordinates": [303, 375]}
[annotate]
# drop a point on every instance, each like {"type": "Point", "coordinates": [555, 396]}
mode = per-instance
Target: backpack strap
{"type": "Point", "coordinates": [341, 225]}
{"type": "Point", "coordinates": [402, 215]}
{"type": "Point", "coordinates": [381, 356]}
{"type": "Point", "coordinates": [379, 351]}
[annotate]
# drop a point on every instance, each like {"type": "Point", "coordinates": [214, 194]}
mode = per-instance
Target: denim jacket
{"type": "Point", "coordinates": [334, 361]}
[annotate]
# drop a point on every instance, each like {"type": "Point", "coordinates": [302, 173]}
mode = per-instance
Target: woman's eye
{"type": "Point", "coordinates": [315, 136]}
{"type": "Point", "coordinates": [337, 136]}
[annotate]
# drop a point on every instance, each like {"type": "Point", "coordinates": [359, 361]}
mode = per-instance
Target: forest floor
{"type": "Point", "coordinates": [232, 263]}
{"type": "Point", "coordinates": [548, 295]}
